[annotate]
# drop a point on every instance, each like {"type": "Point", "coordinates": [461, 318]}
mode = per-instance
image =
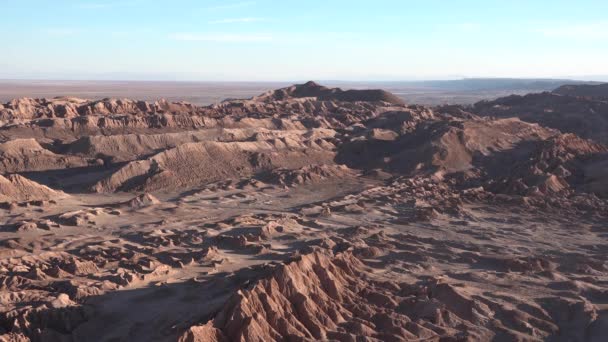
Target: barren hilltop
{"type": "Point", "coordinates": [305, 213]}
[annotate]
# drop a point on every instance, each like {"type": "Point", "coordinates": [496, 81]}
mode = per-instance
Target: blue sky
{"type": "Point", "coordinates": [296, 40]}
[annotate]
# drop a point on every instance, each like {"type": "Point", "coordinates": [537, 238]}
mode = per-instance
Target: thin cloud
{"type": "Point", "coordinates": [582, 31]}
{"type": "Point", "coordinates": [469, 27]}
{"type": "Point", "coordinates": [220, 37]}
{"type": "Point", "coordinates": [107, 4]}
{"type": "Point", "coordinates": [231, 5]}
{"type": "Point", "coordinates": [61, 32]}
{"type": "Point", "coordinates": [236, 20]}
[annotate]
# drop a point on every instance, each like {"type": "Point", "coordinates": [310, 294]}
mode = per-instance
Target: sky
{"type": "Point", "coordinates": [270, 40]}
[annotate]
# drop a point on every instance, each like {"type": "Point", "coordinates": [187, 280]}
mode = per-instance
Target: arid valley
{"type": "Point", "coordinates": [305, 213]}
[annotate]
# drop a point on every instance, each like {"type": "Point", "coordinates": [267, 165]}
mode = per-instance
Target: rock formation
{"type": "Point", "coordinates": [303, 214]}
{"type": "Point", "coordinates": [587, 118]}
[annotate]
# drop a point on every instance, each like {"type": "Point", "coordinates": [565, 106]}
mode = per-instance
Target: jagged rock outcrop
{"type": "Point", "coordinates": [28, 108]}
{"type": "Point", "coordinates": [325, 297]}
{"type": "Point", "coordinates": [308, 174]}
{"type": "Point", "coordinates": [69, 107]}
{"type": "Point", "coordinates": [141, 201]}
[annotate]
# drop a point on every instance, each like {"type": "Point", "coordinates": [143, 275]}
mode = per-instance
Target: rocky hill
{"type": "Point", "coordinates": [585, 117]}
{"type": "Point", "coordinates": [313, 90]}
{"type": "Point", "coordinates": [597, 92]}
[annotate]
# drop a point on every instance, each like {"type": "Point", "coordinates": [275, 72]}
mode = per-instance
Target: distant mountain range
{"type": "Point", "coordinates": [488, 84]}
{"type": "Point", "coordinates": [464, 91]}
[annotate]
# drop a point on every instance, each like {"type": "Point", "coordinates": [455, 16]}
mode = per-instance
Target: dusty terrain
{"type": "Point", "coordinates": [302, 214]}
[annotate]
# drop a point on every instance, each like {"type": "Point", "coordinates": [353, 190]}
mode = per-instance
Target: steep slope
{"type": "Point", "coordinates": [194, 164]}
{"type": "Point", "coordinates": [21, 155]}
{"type": "Point", "coordinates": [583, 117]}
{"type": "Point", "coordinates": [18, 188]}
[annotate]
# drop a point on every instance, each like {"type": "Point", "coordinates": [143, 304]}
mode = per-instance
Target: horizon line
{"type": "Point", "coordinates": [296, 81]}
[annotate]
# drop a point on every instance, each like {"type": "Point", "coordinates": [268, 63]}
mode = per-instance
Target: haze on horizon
{"type": "Point", "coordinates": [265, 40]}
